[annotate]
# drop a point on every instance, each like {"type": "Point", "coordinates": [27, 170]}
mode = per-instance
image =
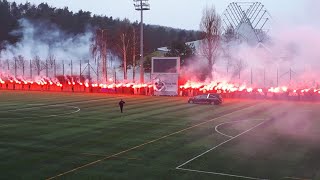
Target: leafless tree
{"type": "Point", "coordinates": [239, 66]}
{"type": "Point", "coordinates": [229, 35]}
{"type": "Point", "coordinates": [21, 63]}
{"type": "Point", "coordinates": [38, 65]}
{"type": "Point", "coordinates": [210, 25]}
{"type": "Point", "coordinates": [126, 46]}
{"type": "Point", "coordinates": [99, 50]}
{"type": "Point", "coordinates": [228, 58]}
{"type": "Point", "coordinates": [51, 63]}
{"type": "Point", "coordinates": [229, 38]}
{"type": "Point", "coordinates": [124, 49]}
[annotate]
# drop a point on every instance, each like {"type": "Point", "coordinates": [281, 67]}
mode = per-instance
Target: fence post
{"type": "Point", "coordinates": [80, 71]}
{"type": "Point", "coordinates": [98, 72]}
{"type": "Point", "coordinates": [251, 77]}
{"type": "Point", "coordinates": [277, 77]}
{"type": "Point", "coordinates": [264, 77]}
{"type": "Point", "coordinates": [63, 67]}
{"type": "Point", "coordinates": [55, 68]}
{"type": "Point", "coordinates": [30, 69]}
{"type": "Point", "coordinates": [15, 67]}
{"type": "Point", "coordinates": [71, 69]}
{"type": "Point", "coordinates": [47, 72]}
{"type": "Point", "coordinates": [8, 65]}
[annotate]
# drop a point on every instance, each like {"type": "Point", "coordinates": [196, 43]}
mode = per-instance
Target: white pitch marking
{"type": "Point", "coordinates": [146, 143]}
{"type": "Point", "coordinates": [73, 112]}
{"type": "Point", "coordinates": [54, 115]}
{"type": "Point", "coordinates": [215, 147]}
{"type": "Point", "coordinates": [231, 122]}
{"type": "Point", "coordinates": [71, 103]}
{"type": "Point", "coordinates": [7, 125]}
{"type": "Point", "coordinates": [216, 129]}
{"type": "Point", "coordinates": [58, 105]}
{"type": "Point", "coordinates": [295, 178]}
{"type": "Point", "coordinates": [221, 174]}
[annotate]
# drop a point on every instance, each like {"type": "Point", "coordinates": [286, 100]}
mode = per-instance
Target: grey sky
{"type": "Point", "coordinates": [185, 14]}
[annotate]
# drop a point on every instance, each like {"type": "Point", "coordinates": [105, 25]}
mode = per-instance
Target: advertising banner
{"type": "Point", "coordinates": [165, 84]}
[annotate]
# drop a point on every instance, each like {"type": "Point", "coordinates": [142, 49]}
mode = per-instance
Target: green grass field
{"type": "Point", "coordinates": [84, 136]}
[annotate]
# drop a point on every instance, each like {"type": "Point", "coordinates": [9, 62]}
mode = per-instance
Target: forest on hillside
{"type": "Point", "coordinates": [75, 23]}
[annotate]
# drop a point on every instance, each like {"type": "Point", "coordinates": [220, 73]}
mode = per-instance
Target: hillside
{"type": "Point", "coordinates": [77, 23]}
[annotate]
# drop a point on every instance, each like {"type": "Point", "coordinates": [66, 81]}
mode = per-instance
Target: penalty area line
{"type": "Point", "coordinates": [221, 174]}
{"type": "Point", "coordinates": [146, 143]}
{"type": "Point", "coordinates": [232, 122]}
{"type": "Point", "coordinates": [296, 178]}
{"type": "Point", "coordinates": [224, 142]}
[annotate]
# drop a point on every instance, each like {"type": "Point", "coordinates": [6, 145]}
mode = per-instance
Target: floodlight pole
{"type": "Point", "coordinates": [141, 49]}
{"type": "Point", "coordinates": [141, 5]}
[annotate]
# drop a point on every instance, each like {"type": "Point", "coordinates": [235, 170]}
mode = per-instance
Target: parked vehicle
{"type": "Point", "coordinates": [214, 99]}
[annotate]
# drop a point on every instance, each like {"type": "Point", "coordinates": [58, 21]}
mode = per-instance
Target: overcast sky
{"type": "Point", "coordinates": [184, 14]}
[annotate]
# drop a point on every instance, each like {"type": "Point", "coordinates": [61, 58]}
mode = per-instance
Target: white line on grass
{"type": "Point", "coordinates": [221, 174]}
{"type": "Point", "coordinates": [231, 122]}
{"type": "Point", "coordinates": [77, 109]}
{"type": "Point", "coordinates": [66, 103]}
{"type": "Point", "coordinates": [7, 125]}
{"type": "Point", "coordinates": [144, 144]}
{"type": "Point", "coordinates": [215, 147]}
{"type": "Point", "coordinates": [73, 112]}
{"type": "Point", "coordinates": [296, 178]}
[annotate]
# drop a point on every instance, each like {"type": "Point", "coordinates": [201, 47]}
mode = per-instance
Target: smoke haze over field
{"type": "Point", "coordinates": [290, 58]}
{"type": "Point", "coordinates": [44, 39]}
{"type": "Point", "coordinates": [292, 46]}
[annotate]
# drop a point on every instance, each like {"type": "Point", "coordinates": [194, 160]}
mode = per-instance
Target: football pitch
{"type": "Point", "coordinates": [45, 135]}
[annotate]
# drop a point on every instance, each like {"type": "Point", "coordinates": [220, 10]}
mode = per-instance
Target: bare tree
{"type": "Point", "coordinates": [229, 38]}
{"type": "Point", "coordinates": [229, 35]}
{"type": "Point", "coordinates": [21, 63]}
{"type": "Point", "coordinates": [124, 49]}
{"type": "Point", "coordinates": [126, 46]}
{"type": "Point", "coordinates": [239, 66]}
{"type": "Point", "coordinates": [51, 63]}
{"type": "Point", "coordinates": [228, 58]}
{"type": "Point", "coordinates": [99, 50]}
{"type": "Point", "coordinates": [13, 65]}
{"type": "Point", "coordinates": [38, 65]}
{"type": "Point", "coordinates": [210, 25]}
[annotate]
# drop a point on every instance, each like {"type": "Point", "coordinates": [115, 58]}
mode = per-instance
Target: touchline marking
{"type": "Point", "coordinates": [296, 178]}
{"type": "Point", "coordinates": [231, 122]}
{"type": "Point", "coordinates": [222, 174]}
{"type": "Point", "coordinates": [215, 147]}
{"type": "Point", "coordinates": [146, 143]}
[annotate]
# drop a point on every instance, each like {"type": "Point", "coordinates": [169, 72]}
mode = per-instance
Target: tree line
{"type": "Point", "coordinates": [76, 23]}
{"type": "Point", "coordinates": [121, 37]}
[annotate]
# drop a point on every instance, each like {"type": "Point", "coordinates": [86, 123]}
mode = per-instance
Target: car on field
{"type": "Point", "coordinates": [214, 99]}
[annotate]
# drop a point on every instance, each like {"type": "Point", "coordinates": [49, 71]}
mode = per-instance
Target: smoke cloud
{"type": "Point", "coordinates": [290, 57]}
{"type": "Point", "coordinates": [43, 39]}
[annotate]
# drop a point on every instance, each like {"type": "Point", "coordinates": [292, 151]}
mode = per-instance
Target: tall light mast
{"type": "Point", "coordinates": [141, 5]}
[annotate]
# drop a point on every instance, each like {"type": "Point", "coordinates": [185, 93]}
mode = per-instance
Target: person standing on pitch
{"type": "Point", "coordinates": [121, 103]}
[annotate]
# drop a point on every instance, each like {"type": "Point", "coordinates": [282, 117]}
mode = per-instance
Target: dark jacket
{"type": "Point", "coordinates": [121, 103]}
